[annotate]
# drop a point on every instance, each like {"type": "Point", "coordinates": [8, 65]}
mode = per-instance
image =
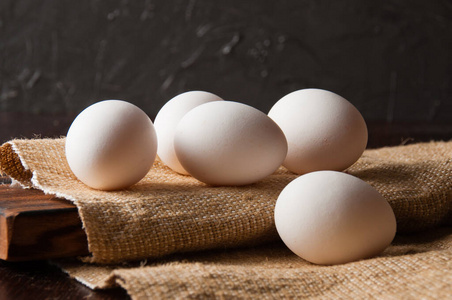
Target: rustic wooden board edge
{"type": "Point", "coordinates": [5, 236]}
{"type": "Point", "coordinates": [35, 226]}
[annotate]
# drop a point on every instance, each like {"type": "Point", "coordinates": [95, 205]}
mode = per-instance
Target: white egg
{"type": "Point", "coordinates": [229, 143]}
{"type": "Point", "coordinates": [166, 122]}
{"type": "Point", "coordinates": [329, 217]}
{"type": "Point", "coordinates": [111, 145]}
{"type": "Point", "coordinates": [324, 131]}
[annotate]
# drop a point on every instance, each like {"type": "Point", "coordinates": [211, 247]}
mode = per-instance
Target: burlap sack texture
{"type": "Point", "coordinates": [416, 180]}
{"type": "Point", "coordinates": [162, 214]}
{"type": "Point", "coordinates": [167, 213]}
{"type": "Point", "coordinates": [413, 267]}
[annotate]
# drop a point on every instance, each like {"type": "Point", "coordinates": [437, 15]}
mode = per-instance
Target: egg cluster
{"type": "Point", "coordinates": [325, 216]}
{"type": "Point", "coordinates": [218, 142]}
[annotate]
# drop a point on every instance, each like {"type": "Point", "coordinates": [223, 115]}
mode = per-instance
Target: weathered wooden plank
{"type": "Point", "coordinates": [37, 226]}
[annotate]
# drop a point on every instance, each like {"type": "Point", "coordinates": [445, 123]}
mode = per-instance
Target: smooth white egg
{"type": "Point", "coordinates": [324, 131]}
{"type": "Point", "coordinates": [229, 143]}
{"type": "Point", "coordinates": [111, 145]}
{"type": "Point", "coordinates": [167, 119]}
{"type": "Point", "coordinates": [329, 217]}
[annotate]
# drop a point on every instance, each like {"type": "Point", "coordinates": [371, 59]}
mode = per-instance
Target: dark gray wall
{"type": "Point", "coordinates": [392, 59]}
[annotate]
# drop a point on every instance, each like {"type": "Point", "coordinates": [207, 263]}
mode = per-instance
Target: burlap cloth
{"type": "Point", "coordinates": [167, 222]}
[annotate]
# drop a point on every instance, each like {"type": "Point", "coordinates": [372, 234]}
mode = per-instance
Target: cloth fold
{"type": "Point", "coordinates": [413, 267]}
{"type": "Point", "coordinates": [164, 213]}
{"type": "Point", "coordinates": [192, 235]}
{"type": "Point", "coordinates": [167, 213]}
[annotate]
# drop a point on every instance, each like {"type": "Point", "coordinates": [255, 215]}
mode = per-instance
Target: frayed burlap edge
{"type": "Point", "coordinates": [414, 267]}
{"type": "Point", "coordinates": [16, 167]}
{"type": "Point", "coordinates": [374, 166]}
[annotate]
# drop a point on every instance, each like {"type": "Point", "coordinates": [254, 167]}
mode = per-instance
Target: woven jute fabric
{"type": "Point", "coordinates": [168, 221]}
{"type": "Point", "coordinates": [164, 213]}
{"type": "Point", "coordinates": [167, 213]}
{"type": "Point", "coordinates": [413, 267]}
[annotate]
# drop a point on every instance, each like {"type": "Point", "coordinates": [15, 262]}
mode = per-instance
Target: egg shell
{"type": "Point", "coordinates": [166, 122]}
{"type": "Point", "coordinates": [329, 217]}
{"type": "Point", "coordinates": [229, 143]}
{"type": "Point", "coordinates": [324, 131]}
{"type": "Point", "coordinates": [111, 145]}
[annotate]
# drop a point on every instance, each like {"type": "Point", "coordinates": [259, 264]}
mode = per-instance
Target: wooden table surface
{"type": "Point", "coordinates": [41, 280]}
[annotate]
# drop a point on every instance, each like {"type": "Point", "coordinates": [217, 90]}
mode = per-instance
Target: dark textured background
{"type": "Point", "coordinates": [391, 59]}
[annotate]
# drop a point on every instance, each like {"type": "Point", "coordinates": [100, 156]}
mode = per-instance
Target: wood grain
{"type": "Point", "coordinates": [37, 226]}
